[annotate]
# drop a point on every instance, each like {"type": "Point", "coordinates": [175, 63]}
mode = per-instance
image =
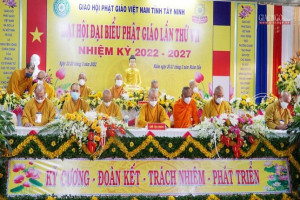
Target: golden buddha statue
{"type": "Point", "coordinates": [132, 78]}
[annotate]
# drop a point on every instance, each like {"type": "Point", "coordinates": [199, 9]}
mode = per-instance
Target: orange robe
{"type": "Point", "coordinates": [117, 92]}
{"type": "Point", "coordinates": [69, 106]}
{"type": "Point", "coordinates": [185, 115]}
{"type": "Point", "coordinates": [32, 107]}
{"type": "Point", "coordinates": [149, 114]}
{"type": "Point", "coordinates": [211, 109]}
{"type": "Point", "coordinates": [18, 83]}
{"type": "Point", "coordinates": [85, 92]}
{"type": "Point", "coordinates": [112, 110]}
{"type": "Point", "coordinates": [49, 90]}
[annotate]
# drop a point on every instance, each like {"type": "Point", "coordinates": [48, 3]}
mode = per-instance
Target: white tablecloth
{"type": "Point", "coordinates": [142, 132]}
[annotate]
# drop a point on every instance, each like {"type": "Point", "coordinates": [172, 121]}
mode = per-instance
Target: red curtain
{"type": "Point", "coordinates": [277, 45]}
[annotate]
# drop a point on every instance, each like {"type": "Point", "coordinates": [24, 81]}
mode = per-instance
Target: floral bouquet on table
{"type": "Point", "coordinates": [271, 98]}
{"type": "Point", "coordinates": [232, 130]}
{"type": "Point", "coordinates": [90, 128]}
{"type": "Point", "coordinates": [200, 103]}
{"type": "Point", "coordinates": [128, 104]}
{"type": "Point", "coordinates": [11, 100]}
{"type": "Point", "coordinates": [3, 94]}
{"type": "Point", "coordinates": [59, 102]}
{"type": "Point", "coordinates": [94, 99]}
{"type": "Point", "coordinates": [288, 75]}
{"type": "Point", "coordinates": [167, 102]}
{"type": "Point", "coordinates": [245, 104]}
{"type": "Point", "coordinates": [26, 97]}
{"type": "Point", "coordinates": [294, 127]}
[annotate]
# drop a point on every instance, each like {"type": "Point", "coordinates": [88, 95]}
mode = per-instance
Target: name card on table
{"type": "Point", "coordinates": [142, 102]}
{"type": "Point", "coordinates": [156, 126]}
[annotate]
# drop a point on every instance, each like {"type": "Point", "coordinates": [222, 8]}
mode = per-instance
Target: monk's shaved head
{"type": "Point", "coordinates": [41, 74]}
{"type": "Point", "coordinates": [82, 76]}
{"type": "Point", "coordinates": [186, 92]}
{"type": "Point", "coordinates": [118, 77]}
{"type": "Point", "coordinates": [39, 88]}
{"type": "Point", "coordinates": [192, 83]}
{"type": "Point", "coordinates": [285, 96]}
{"type": "Point", "coordinates": [40, 91]}
{"type": "Point", "coordinates": [106, 95]}
{"type": "Point", "coordinates": [75, 87]}
{"type": "Point", "coordinates": [153, 95]}
{"type": "Point", "coordinates": [154, 84]}
{"type": "Point", "coordinates": [219, 89]}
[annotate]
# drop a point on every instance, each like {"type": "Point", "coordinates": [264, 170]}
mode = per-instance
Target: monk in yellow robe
{"type": "Point", "coordinates": [132, 74]}
{"type": "Point", "coordinates": [21, 80]}
{"type": "Point", "coordinates": [85, 91]}
{"type": "Point", "coordinates": [195, 90]}
{"type": "Point", "coordinates": [185, 111]}
{"type": "Point", "coordinates": [50, 92]}
{"type": "Point", "coordinates": [117, 90]}
{"type": "Point", "coordinates": [75, 104]}
{"type": "Point", "coordinates": [152, 112]}
{"type": "Point", "coordinates": [277, 115]}
{"type": "Point", "coordinates": [108, 107]}
{"type": "Point", "coordinates": [39, 110]}
{"type": "Point", "coordinates": [217, 105]}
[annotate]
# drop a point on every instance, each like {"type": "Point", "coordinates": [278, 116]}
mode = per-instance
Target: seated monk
{"type": "Point", "coordinates": [39, 110]}
{"type": "Point", "coordinates": [151, 112]}
{"type": "Point", "coordinates": [50, 92]}
{"type": "Point", "coordinates": [132, 75]}
{"type": "Point", "coordinates": [185, 111]}
{"type": "Point", "coordinates": [277, 115]}
{"type": "Point", "coordinates": [85, 91]}
{"type": "Point", "coordinates": [217, 105]}
{"type": "Point", "coordinates": [195, 90]}
{"type": "Point", "coordinates": [154, 85]}
{"type": "Point", "coordinates": [21, 80]}
{"type": "Point", "coordinates": [117, 90]}
{"type": "Point", "coordinates": [75, 104]}
{"type": "Point", "coordinates": [108, 107]}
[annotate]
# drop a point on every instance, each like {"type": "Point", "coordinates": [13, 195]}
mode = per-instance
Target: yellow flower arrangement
{"type": "Point", "coordinates": [244, 103]}
{"type": "Point", "coordinates": [113, 150]}
{"type": "Point", "coordinates": [150, 149]}
{"type": "Point", "coordinates": [288, 74]}
{"type": "Point", "coordinates": [11, 141]}
{"type": "Point", "coordinates": [170, 145]}
{"type": "Point", "coordinates": [30, 151]}
{"type": "Point", "coordinates": [131, 144]}
{"type": "Point", "coordinates": [94, 198]}
{"type": "Point", "coordinates": [271, 98]}
{"type": "Point", "coordinates": [190, 149]}
{"type": "Point", "coordinates": [94, 99]}
{"type": "Point", "coordinates": [53, 143]}
{"type": "Point", "coordinates": [50, 198]}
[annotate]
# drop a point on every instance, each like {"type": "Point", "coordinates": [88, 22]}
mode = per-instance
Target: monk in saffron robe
{"type": "Point", "coordinates": [39, 110]}
{"type": "Point", "coordinates": [277, 115]}
{"type": "Point", "coordinates": [195, 90]}
{"type": "Point", "coordinates": [50, 92]}
{"type": "Point", "coordinates": [21, 80]}
{"type": "Point", "coordinates": [117, 90]}
{"type": "Point", "coordinates": [108, 107]}
{"type": "Point", "coordinates": [75, 104]}
{"type": "Point", "coordinates": [152, 112]}
{"type": "Point", "coordinates": [217, 105]}
{"type": "Point", "coordinates": [85, 91]}
{"type": "Point", "coordinates": [185, 112]}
